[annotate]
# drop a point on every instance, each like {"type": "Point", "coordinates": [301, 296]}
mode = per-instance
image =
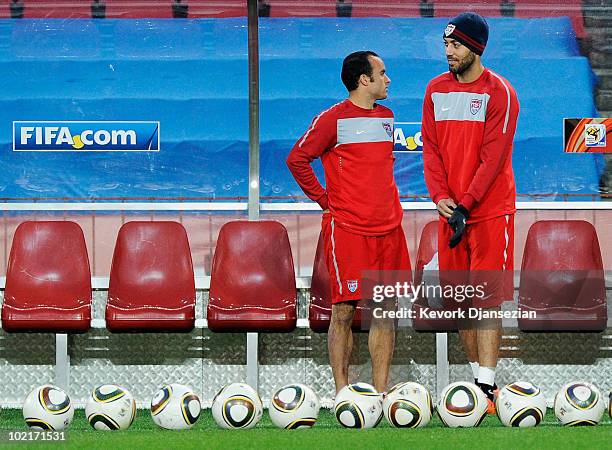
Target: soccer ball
{"type": "Point", "coordinates": [579, 403]}
{"type": "Point", "coordinates": [520, 404]}
{"type": "Point", "coordinates": [48, 407]}
{"type": "Point", "coordinates": [358, 405]}
{"type": "Point", "coordinates": [408, 405]}
{"type": "Point", "coordinates": [294, 406]}
{"type": "Point", "coordinates": [237, 405]}
{"type": "Point", "coordinates": [175, 407]}
{"type": "Point", "coordinates": [462, 404]}
{"type": "Point", "coordinates": [110, 407]}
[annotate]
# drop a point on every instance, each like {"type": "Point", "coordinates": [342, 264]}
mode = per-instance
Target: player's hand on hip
{"type": "Point", "coordinates": [445, 207]}
{"type": "Point", "coordinates": [457, 221]}
{"type": "Point", "coordinates": [326, 211]}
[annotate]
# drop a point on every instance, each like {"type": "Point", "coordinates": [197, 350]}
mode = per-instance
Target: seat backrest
{"type": "Point", "coordinates": [136, 9]}
{"type": "Point", "coordinates": [562, 265]}
{"type": "Point", "coordinates": [319, 313]}
{"type": "Point", "coordinates": [320, 288]}
{"type": "Point", "coordinates": [152, 266]}
{"type": "Point", "coordinates": [48, 266]}
{"type": "Point", "coordinates": [428, 246]}
{"type": "Point", "coordinates": [63, 9]}
{"type": "Point", "coordinates": [253, 266]}
{"type": "Point", "coordinates": [218, 8]}
{"type": "Point", "coordinates": [562, 245]}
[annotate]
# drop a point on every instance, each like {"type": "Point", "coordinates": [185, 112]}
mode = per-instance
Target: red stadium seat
{"type": "Point", "coordinates": [306, 8]}
{"type": "Point", "coordinates": [450, 8]}
{"type": "Point", "coordinates": [319, 311]}
{"type": "Point", "coordinates": [252, 285]}
{"type": "Point", "coordinates": [151, 285]}
{"type": "Point", "coordinates": [386, 8]}
{"type": "Point", "coordinates": [48, 282]}
{"type": "Point", "coordinates": [62, 9]}
{"type": "Point", "coordinates": [217, 8]}
{"type": "Point", "coordinates": [562, 278]}
{"type": "Point", "coordinates": [553, 8]}
{"type": "Point", "coordinates": [135, 9]}
{"type": "Point", "coordinates": [428, 246]}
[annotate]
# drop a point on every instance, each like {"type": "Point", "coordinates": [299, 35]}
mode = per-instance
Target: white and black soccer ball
{"type": "Point", "coordinates": [579, 403]}
{"type": "Point", "coordinates": [520, 404]}
{"type": "Point", "coordinates": [110, 407]}
{"type": "Point", "coordinates": [408, 405]}
{"type": "Point", "coordinates": [237, 405]}
{"type": "Point", "coordinates": [462, 405]}
{"type": "Point", "coordinates": [175, 407]}
{"type": "Point", "coordinates": [294, 406]}
{"type": "Point", "coordinates": [358, 405]}
{"type": "Point", "coordinates": [47, 408]}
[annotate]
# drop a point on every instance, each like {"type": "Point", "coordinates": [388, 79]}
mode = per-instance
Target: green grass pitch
{"type": "Point", "coordinates": [326, 434]}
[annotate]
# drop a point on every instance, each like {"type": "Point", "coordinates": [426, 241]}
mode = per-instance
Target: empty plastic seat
{"type": "Point", "coordinates": [451, 8]}
{"type": "Point", "coordinates": [48, 282]}
{"type": "Point", "coordinates": [386, 8]}
{"type": "Point", "coordinates": [306, 8]}
{"type": "Point", "coordinates": [562, 278]}
{"type": "Point", "coordinates": [428, 247]}
{"type": "Point", "coordinates": [151, 285]}
{"type": "Point", "coordinates": [252, 285]}
{"type": "Point", "coordinates": [134, 9]}
{"type": "Point", "coordinates": [64, 9]}
{"type": "Point", "coordinates": [319, 311]}
{"type": "Point", "coordinates": [218, 8]}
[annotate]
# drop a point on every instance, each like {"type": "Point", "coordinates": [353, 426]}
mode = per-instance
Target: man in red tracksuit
{"type": "Point", "coordinates": [469, 120]}
{"type": "Point", "coordinates": [361, 224]}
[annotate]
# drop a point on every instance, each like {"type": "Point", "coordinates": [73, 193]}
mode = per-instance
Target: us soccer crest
{"type": "Point", "coordinates": [352, 285]}
{"type": "Point", "coordinates": [449, 29]}
{"type": "Point", "coordinates": [475, 105]}
{"type": "Point", "coordinates": [388, 128]}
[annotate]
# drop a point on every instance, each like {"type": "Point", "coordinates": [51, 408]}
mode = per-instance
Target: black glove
{"type": "Point", "coordinates": [457, 222]}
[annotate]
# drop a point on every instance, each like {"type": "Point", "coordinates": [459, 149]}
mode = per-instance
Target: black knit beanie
{"type": "Point", "coordinates": [470, 29]}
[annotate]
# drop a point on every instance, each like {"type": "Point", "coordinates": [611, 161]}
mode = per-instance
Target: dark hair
{"type": "Point", "coordinates": [355, 65]}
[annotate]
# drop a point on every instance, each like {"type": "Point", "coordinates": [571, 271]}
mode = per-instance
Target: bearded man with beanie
{"type": "Point", "coordinates": [469, 120]}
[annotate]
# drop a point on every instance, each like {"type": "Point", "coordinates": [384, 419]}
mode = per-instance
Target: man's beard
{"type": "Point", "coordinates": [463, 65]}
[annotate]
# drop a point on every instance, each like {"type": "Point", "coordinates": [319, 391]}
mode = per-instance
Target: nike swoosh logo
{"type": "Point", "coordinates": [361, 131]}
{"type": "Point", "coordinates": [445, 109]}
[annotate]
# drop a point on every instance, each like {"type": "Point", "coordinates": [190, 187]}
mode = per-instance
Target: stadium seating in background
{"type": "Point", "coordinates": [158, 69]}
{"type": "Point", "coordinates": [48, 281]}
{"type": "Point", "coordinates": [428, 247]}
{"type": "Point", "coordinates": [36, 9]}
{"type": "Point", "coordinates": [385, 8]}
{"type": "Point", "coordinates": [319, 310]}
{"type": "Point", "coordinates": [450, 8]}
{"type": "Point", "coordinates": [562, 278]}
{"type": "Point", "coordinates": [217, 8]}
{"type": "Point", "coordinates": [134, 9]}
{"type": "Point", "coordinates": [302, 8]}
{"type": "Point", "coordinates": [252, 284]}
{"type": "Point", "coordinates": [151, 287]}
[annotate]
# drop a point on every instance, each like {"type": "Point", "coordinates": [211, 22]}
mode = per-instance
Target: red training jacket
{"type": "Point", "coordinates": [356, 148]}
{"type": "Point", "coordinates": [467, 131]}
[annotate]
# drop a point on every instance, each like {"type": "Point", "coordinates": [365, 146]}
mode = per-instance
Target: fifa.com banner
{"type": "Point", "coordinates": [438, 300]}
{"type": "Point", "coordinates": [85, 136]}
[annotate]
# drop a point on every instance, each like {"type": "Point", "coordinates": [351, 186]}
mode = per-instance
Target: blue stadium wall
{"type": "Point", "coordinates": [191, 76]}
